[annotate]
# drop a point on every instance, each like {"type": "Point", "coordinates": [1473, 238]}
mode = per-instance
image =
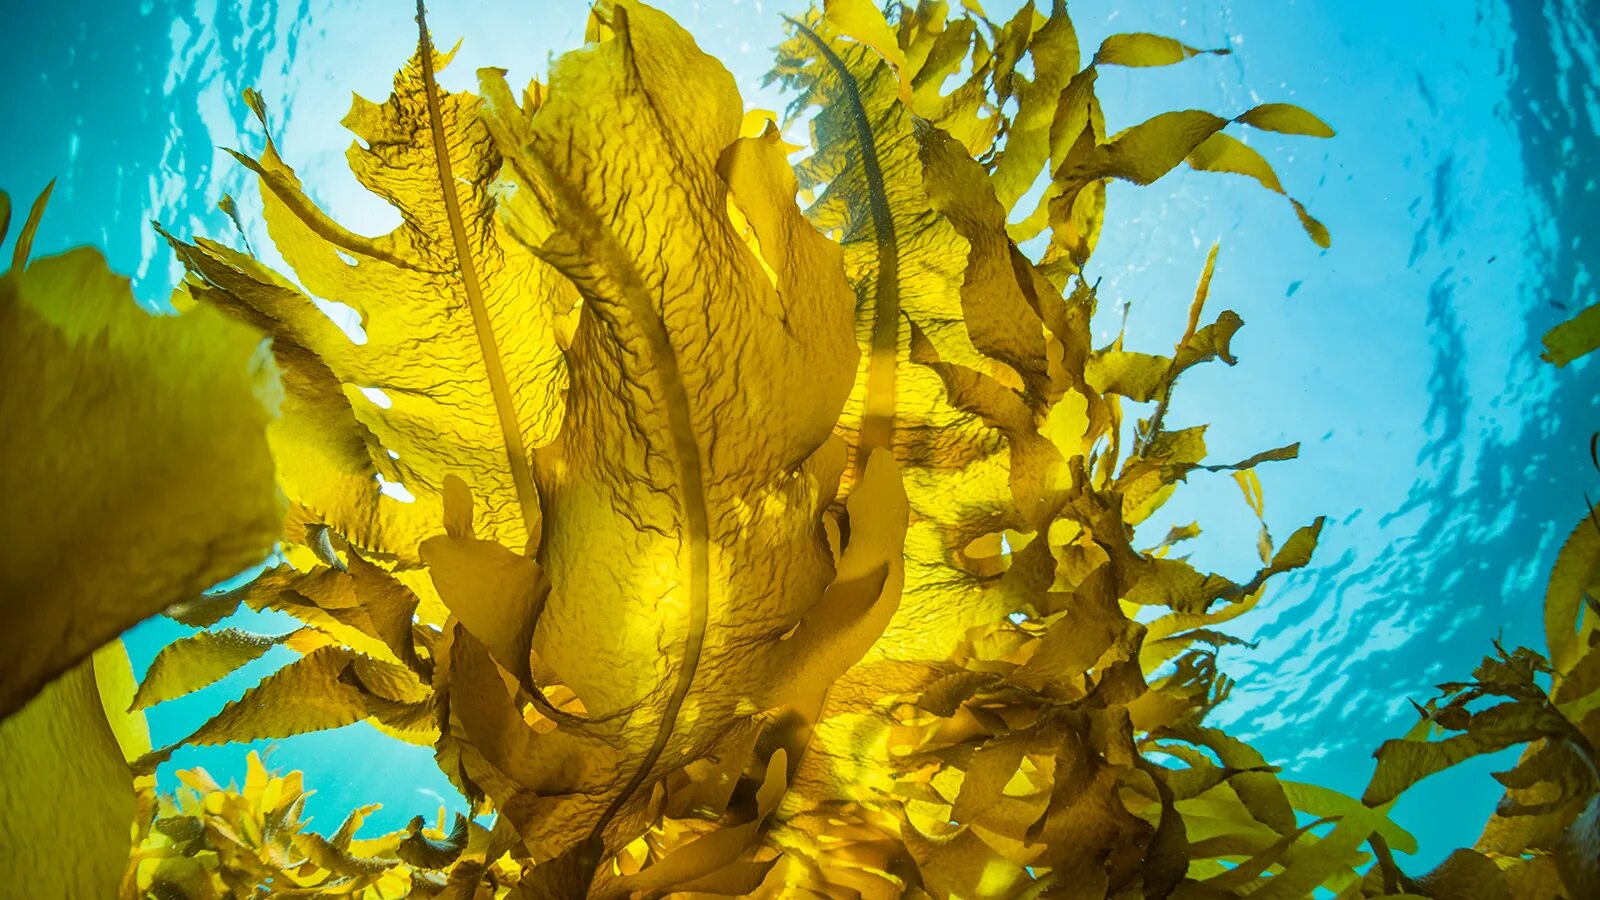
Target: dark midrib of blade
{"type": "Point", "coordinates": [499, 387]}
{"type": "Point", "coordinates": [878, 408]}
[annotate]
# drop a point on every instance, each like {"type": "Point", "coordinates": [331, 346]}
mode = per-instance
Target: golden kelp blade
{"type": "Point", "coordinates": [133, 462]}
{"type": "Point", "coordinates": [460, 325]}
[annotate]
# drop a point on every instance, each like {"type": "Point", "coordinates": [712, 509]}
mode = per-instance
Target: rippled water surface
{"type": "Point", "coordinates": [1461, 195]}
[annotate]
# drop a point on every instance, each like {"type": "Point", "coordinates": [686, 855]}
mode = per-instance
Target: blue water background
{"type": "Point", "coordinates": [1460, 192]}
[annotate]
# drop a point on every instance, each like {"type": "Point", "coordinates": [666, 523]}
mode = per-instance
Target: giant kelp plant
{"type": "Point", "coordinates": [773, 519]}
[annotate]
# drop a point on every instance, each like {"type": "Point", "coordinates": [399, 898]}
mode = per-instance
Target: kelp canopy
{"type": "Point", "coordinates": [773, 520]}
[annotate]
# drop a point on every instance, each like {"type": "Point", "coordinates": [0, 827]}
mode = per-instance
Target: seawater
{"type": "Point", "coordinates": [1460, 192]}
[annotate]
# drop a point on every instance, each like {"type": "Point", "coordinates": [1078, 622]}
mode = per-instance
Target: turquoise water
{"type": "Point", "coordinates": [1460, 193]}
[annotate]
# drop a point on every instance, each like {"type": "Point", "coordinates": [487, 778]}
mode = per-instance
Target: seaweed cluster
{"type": "Point", "coordinates": [770, 522]}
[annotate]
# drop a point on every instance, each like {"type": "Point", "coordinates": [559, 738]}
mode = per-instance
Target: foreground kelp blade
{"type": "Point", "coordinates": [68, 795]}
{"type": "Point", "coordinates": [135, 467]}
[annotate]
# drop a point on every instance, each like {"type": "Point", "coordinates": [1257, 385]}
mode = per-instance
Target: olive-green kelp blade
{"type": "Point", "coordinates": [133, 461]}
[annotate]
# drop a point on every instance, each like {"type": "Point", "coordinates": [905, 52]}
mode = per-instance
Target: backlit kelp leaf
{"type": "Point", "coordinates": [1258, 790]}
{"type": "Point", "coordinates": [306, 695]}
{"type": "Point", "coordinates": [356, 604]}
{"type": "Point", "coordinates": [189, 664]}
{"type": "Point", "coordinates": [1144, 49]}
{"type": "Point", "coordinates": [1152, 148]}
{"type": "Point", "coordinates": [493, 592]}
{"type": "Point", "coordinates": [68, 795]}
{"type": "Point", "coordinates": [1141, 154]}
{"type": "Point", "coordinates": [1286, 118]}
{"type": "Point", "coordinates": [995, 305]}
{"type": "Point", "coordinates": [1222, 152]}
{"type": "Point", "coordinates": [136, 471]}
{"type": "Point", "coordinates": [901, 258]}
{"type": "Point", "coordinates": [684, 495]}
{"type": "Point", "coordinates": [1053, 51]}
{"type": "Point", "coordinates": [113, 675]}
{"type": "Point", "coordinates": [1326, 803]}
{"type": "Point", "coordinates": [459, 322]}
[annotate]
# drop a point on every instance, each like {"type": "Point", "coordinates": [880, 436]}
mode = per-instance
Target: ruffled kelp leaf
{"type": "Point", "coordinates": [460, 328]}
{"type": "Point", "coordinates": [356, 604]}
{"type": "Point", "coordinates": [68, 795]}
{"type": "Point", "coordinates": [685, 494]}
{"type": "Point", "coordinates": [136, 471]}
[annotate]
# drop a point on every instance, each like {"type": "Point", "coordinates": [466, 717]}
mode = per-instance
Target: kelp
{"type": "Point", "coordinates": [1543, 840]}
{"type": "Point", "coordinates": [1575, 337]}
{"type": "Point", "coordinates": [137, 474]}
{"type": "Point", "coordinates": [213, 841]}
{"type": "Point", "coordinates": [771, 522]}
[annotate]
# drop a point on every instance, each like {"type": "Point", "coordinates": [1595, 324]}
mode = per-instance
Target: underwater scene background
{"type": "Point", "coordinates": [1460, 192]}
